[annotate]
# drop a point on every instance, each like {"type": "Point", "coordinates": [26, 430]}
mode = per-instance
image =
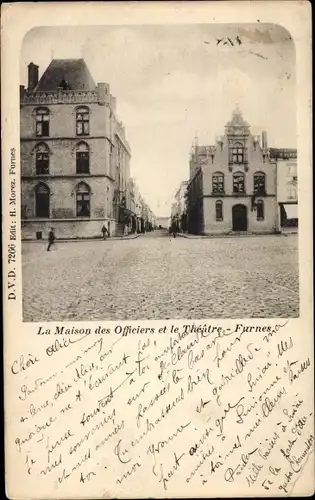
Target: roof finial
{"type": "Point", "coordinates": [237, 110]}
{"type": "Point", "coordinates": [52, 53]}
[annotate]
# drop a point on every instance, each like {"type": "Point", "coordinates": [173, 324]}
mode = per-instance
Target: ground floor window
{"type": "Point", "coordinates": [218, 210]}
{"type": "Point", "coordinates": [83, 199]}
{"type": "Point", "coordinates": [42, 201]}
{"type": "Point", "coordinates": [260, 210]}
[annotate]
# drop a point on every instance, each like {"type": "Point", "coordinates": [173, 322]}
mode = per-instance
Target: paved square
{"type": "Point", "coordinates": [153, 277]}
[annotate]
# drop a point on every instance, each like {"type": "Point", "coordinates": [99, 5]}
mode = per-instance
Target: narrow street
{"type": "Point", "coordinates": [155, 277]}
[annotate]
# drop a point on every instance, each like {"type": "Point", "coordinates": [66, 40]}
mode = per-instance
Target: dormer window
{"type": "Point", "coordinates": [64, 85]}
{"type": "Point", "coordinates": [42, 122]}
{"type": "Point", "coordinates": [238, 153]}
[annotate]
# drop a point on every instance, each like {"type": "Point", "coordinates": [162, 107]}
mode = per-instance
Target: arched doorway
{"type": "Point", "coordinates": [239, 216]}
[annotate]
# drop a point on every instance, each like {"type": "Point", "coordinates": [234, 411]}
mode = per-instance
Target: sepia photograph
{"type": "Point", "coordinates": [157, 254]}
{"type": "Point", "coordinates": [159, 172]}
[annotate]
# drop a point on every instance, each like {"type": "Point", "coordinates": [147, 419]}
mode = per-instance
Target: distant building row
{"type": "Point", "coordinates": [75, 159]}
{"type": "Point", "coordinates": [238, 184]}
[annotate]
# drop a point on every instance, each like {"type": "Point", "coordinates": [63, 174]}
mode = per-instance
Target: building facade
{"type": "Point", "coordinates": [287, 188]}
{"type": "Point", "coordinates": [233, 184]}
{"type": "Point", "coordinates": [179, 209]}
{"type": "Point", "coordinates": [75, 159]}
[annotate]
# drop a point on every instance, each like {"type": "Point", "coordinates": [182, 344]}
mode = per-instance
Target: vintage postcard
{"type": "Point", "coordinates": [157, 249]}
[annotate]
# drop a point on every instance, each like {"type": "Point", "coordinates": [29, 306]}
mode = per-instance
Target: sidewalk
{"type": "Point", "coordinates": [228, 235]}
{"type": "Point", "coordinates": [76, 240]}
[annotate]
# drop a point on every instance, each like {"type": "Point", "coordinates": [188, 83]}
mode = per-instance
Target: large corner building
{"type": "Point", "coordinates": [74, 154]}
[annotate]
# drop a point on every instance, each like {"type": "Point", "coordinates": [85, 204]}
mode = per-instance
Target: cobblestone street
{"type": "Point", "coordinates": [153, 277]}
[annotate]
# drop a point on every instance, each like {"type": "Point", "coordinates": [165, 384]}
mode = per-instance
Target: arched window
{"type": "Point", "coordinates": [219, 210]}
{"type": "Point", "coordinates": [82, 158]}
{"type": "Point", "coordinates": [238, 183]}
{"type": "Point", "coordinates": [238, 153]}
{"type": "Point", "coordinates": [82, 121]}
{"type": "Point", "coordinates": [83, 198]}
{"type": "Point", "coordinates": [259, 183]}
{"type": "Point", "coordinates": [260, 210]}
{"type": "Point", "coordinates": [42, 122]}
{"type": "Point", "coordinates": [42, 159]}
{"type": "Point", "coordinates": [42, 201]}
{"type": "Point", "coordinates": [218, 182]}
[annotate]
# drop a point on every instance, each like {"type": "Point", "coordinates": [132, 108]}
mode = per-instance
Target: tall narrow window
{"type": "Point", "coordinates": [292, 191]}
{"type": "Point", "coordinates": [82, 121]}
{"type": "Point", "coordinates": [260, 210]}
{"type": "Point", "coordinates": [219, 210]}
{"type": "Point", "coordinates": [83, 208]}
{"type": "Point", "coordinates": [259, 183]}
{"type": "Point", "coordinates": [238, 153]}
{"type": "Point", "coordinates": [218, 183]}
{"type": "Point", "coordinates": [42, 201]}
{"type": "Point", "coordinates": [82, 158]}
{"type": "Point", "coordinates": [42, 159]}
{"type": "Point", "coordinates": [42, 122]}
{"type": "Point", "coordinates": [238, 183]}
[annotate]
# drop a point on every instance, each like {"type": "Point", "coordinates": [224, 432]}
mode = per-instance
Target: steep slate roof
{"type": "Point", "coordinates": [74, 71]}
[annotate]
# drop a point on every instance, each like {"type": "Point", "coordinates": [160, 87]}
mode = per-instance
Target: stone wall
{"type": "Point", "coordinates": [211, 226]}
{"type": "Point", "coordinates": [70, 229]}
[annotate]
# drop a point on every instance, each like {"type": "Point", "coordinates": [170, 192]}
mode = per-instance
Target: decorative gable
{"type": "Point", "coordinates": [237, 131]}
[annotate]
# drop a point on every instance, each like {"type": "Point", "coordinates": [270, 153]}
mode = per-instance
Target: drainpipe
{"type": "Point", "coordinates": [277, 205]}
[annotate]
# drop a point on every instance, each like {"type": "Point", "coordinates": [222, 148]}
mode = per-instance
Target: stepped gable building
{"type": "Point", "coordinates": [232, 186]}
{"type": "Point", "coordinates": [75, 159]}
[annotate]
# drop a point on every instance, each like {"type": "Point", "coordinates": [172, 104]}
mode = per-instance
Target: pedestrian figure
{"type": "Point", "coordinates": [51, 238]}
{"type": "Point", "coordinates": [104, 232]}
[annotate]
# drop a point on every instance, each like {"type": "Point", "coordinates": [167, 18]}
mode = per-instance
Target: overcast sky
{"type": "Point", "coordinates": [173, 82]}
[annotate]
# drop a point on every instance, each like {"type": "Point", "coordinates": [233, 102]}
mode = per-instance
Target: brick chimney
{"type": "Point", "coordinates": [103, 93]}
{"type": "Point", "coordinates": [264, 141]}
{"type": "Point", "coordinates": [32, 76]}
{"type": "Point", "coordinates": [22, 92]}
{"type": "Point", "coordinates": [113, 103]}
